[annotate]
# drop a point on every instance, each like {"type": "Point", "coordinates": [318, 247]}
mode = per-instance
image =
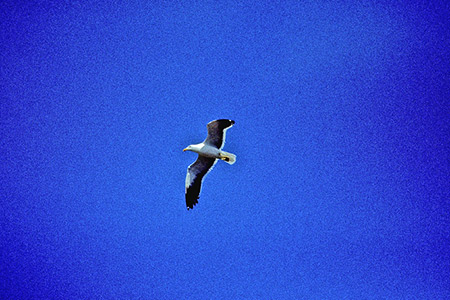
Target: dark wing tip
{"type": "Point", "coordinates": [223, 123]}
{"type": "Point", "coordinates": [191, 202]}
{"type": "Point", "coordinates": [192, 195]}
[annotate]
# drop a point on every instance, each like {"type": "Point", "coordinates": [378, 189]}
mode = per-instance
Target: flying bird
{"type": "Point", "coordinates": [209, 151]}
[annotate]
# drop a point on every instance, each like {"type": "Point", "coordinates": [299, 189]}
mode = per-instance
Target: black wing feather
{"type": "Point", "coordinates": [197, 171]}
{"type": "Point", "coordinates": [216, 129]}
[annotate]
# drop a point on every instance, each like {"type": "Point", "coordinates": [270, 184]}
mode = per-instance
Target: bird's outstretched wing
{"type": "Point", "coordinates": [194, 178]}
{"type": "Point", "coordinates": [216, 132]}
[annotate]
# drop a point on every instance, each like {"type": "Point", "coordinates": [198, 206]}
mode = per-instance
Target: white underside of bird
{"type": "Point", "coordinates": [213, 152]}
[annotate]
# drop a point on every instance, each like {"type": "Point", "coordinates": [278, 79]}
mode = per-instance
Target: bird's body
{"type": "Point", "coordinates": [205, 150]}
{"type": "Point", "coordinates": [208, 153]}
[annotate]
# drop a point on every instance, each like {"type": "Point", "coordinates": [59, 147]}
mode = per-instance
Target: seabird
{"type": "Point", "coordinates": [208, 153]}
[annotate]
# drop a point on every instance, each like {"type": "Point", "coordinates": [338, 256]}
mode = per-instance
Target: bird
{"type": "Point", "coordinates": [209, 151]}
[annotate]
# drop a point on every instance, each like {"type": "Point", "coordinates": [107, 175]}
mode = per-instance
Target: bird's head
{"type": "Point", "coordinates": [188, 148]}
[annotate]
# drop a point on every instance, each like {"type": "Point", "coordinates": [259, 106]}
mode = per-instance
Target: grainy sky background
{"type": "Point", "coordinates": [340, 189]}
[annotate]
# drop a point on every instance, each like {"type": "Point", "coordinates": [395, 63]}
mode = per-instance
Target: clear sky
{"type": "Point", "coordinates": [341, 185]}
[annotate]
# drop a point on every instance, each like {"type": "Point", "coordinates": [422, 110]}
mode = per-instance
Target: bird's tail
{"type": "Point", "coordinates": [228, 157]}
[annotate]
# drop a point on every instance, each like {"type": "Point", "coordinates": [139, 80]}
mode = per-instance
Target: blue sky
{"type": "Point", "coordinates": [340, 189]}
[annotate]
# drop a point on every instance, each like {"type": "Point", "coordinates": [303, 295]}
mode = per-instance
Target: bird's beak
{"type": "Point", "coordinates": [185, 149]}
